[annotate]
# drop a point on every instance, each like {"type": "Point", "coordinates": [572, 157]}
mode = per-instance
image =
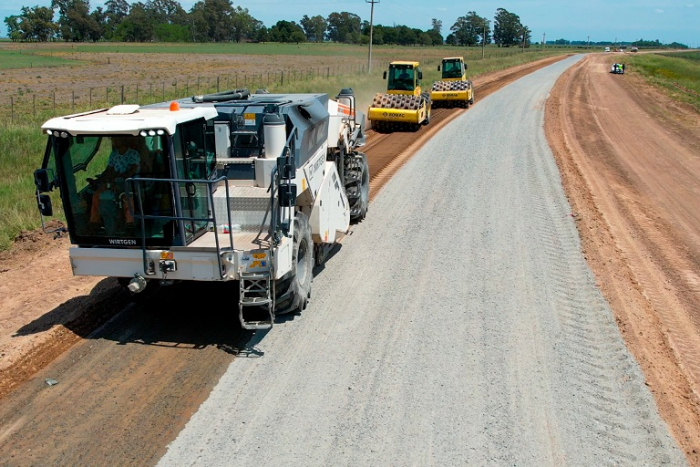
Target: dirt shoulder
{"type": "Point", "coordinates": [628, 158]}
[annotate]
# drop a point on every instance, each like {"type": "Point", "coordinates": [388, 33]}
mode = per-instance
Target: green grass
{"type": "Point", "coordinates": [22, 59]}
{"type": "Point", "coordinates": [677, 73]}
{"type": "Point", "coordinates": [22, 142]}
{"type": "Point", "coordinates": [21, 151]}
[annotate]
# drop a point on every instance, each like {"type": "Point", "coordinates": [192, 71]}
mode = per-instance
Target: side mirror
{"type": "Point", "coordinates": [41, 180]}
{"type": "Point", "coordinates": [44, 205]}
{"type": "Point", "coordinates": [465, 66]}
{"type": "Point", "coordinates": [438, 67]}
{"type": "Point", "coordinates": [420, 75]}
{"type": "Point", "coordinates": [288, 195]}
{"type": "Point", "coordinates": [384, 75]}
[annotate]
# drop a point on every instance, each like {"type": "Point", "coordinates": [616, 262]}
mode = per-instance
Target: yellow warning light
{"type": "Point", "coordinates": [166, 255]}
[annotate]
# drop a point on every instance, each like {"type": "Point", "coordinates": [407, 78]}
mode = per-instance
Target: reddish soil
{"type": "Point", "coordinates": [630, 164]}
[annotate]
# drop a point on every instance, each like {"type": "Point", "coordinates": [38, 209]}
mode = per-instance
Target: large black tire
{"type": "Point", "coordinates": [357, 185]}
{"type": "Point", "coordinates": [294, 289]}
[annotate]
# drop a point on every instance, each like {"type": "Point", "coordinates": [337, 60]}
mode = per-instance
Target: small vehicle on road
{"type": "Point", "coordinates": [618, 68]}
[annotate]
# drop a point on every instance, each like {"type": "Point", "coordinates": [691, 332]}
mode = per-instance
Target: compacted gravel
{"type": "Point", "coordinates": [458, 325]}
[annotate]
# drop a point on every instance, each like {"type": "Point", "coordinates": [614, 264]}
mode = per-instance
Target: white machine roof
{"type": "Point", "coordinates": [128, 119]}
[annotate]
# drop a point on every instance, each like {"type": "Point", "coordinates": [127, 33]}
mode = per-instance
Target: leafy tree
{"type": "Point", "coordinates": [34, 24]}
{"type": "Point", "coordinates": [434, 32]}
{"type": "Point", "coordinates": [507, 29]}
{"type": "Point", "coordinates": [286, 31]}
{"type": "Point", "coordinates": [14, 30]}
{"type": "Point", "coordinates": [437, 25]}
{"type": "Point", "coordinates": [467, 28]}
{"type": "Point", "coordinates": [166, 12]}
{"type": "Point", "coordinates": [213, 20]}
{"type": "Point", "coordinates": [115, 12]}
{"type": "Point", "coordinates": [137, 27]}
{"type": "Point", "coordinates": [243, 24]}
{"type": "Point", "coordinates": [172, 33]}
{"type": "Point", "coordinates": [343, 27]}
{"type": "Point", "coordinates": [75, 22]}
{"type": "Point", "coordinates": [314, 27]}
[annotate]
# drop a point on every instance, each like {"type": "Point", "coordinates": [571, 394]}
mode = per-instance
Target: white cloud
{"type": "Point", "coordinates": [658, 10]}
{"type": "Point", "coordinates": [440, 9]}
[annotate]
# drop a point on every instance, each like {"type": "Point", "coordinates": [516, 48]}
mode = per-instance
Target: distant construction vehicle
{"type": "Point", "coordinates": [231, 186]}
{"type": "Point", "coordinates": [404, 107]}
{"type": "Point", "coordinates": [454, 89]}
{"type": "Point", "coordinates": [617, 68]}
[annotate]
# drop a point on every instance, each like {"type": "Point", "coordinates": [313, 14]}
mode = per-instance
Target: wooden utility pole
{"type": "Point", "coordinates": [483, 39]}
{"type": "Point", "coordinates": [371, 31]}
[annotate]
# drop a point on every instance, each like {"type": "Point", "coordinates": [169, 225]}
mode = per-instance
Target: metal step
{"type": "Point", "coordinates": [256, 291]}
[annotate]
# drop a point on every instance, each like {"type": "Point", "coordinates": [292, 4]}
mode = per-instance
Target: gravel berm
{"type": "Point", "coordinates": [458, 325]}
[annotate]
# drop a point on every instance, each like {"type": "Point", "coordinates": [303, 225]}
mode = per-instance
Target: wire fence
{"type": "Point", "coordinates": [29, 107]}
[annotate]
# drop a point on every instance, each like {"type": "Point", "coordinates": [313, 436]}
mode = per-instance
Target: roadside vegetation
{"type": "Point", "coordinates": [22, 144]}
{"type": "Point", "coordinates": [678, 73]}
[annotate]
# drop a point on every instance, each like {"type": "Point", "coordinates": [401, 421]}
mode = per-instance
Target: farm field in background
{"type": "Point", "coordinates": [678, 73]}
{"type": "Point", "coordinates": [80, 77]}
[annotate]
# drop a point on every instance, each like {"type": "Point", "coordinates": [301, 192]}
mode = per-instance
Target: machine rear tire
{"type": "Point", "coordinates": [357, 185]}
{"type": "Point", "coordinates": [294, 289]}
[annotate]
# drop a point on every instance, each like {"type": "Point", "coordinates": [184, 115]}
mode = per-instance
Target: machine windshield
{"type": "Point", "coordinates": [98, 201]}
{"type": "Point", "coordinates": [401, 78]}
{"type": "Point", "coordinates": [451, 69]}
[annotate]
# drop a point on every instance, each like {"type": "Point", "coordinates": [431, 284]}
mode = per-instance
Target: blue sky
{"type": "Point", "coordinates": [602, 20]}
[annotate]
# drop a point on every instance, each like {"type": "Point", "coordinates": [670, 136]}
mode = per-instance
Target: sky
{"type": "Point", "coordinates": [597, 20]}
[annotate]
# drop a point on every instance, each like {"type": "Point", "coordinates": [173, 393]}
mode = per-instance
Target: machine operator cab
{"type": "Point", "coordinates": [453, 68]}
{"type": "Point", "coordinates": [112, 169]}
{"type": "Point", "coordinates": [403, 76]}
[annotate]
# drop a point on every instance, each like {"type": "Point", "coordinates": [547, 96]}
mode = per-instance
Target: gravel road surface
{"type": "Point", "coordinates": [458, 325]}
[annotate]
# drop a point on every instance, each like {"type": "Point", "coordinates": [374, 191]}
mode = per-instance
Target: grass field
{"type": "Point", "coordinates": [678, 73]}
{"type": "Point", "coordinates": [10, 59]}
{"type": "Point", "coordinates": [22, 143]}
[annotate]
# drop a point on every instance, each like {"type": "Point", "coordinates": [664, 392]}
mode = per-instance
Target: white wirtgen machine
{"type": "Point", "coordinates": [229, 186]}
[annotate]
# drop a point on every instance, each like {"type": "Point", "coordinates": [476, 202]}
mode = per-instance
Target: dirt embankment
{"type": "Point", "coordinates": [629, 162]}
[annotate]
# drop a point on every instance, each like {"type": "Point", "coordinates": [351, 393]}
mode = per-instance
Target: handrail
{"type": "Point", "coordinates": [136, 184]}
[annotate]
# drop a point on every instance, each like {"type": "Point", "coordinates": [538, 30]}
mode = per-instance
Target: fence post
{"type": "Point", "coordinates": [282, 81]}
{"type": "Point", "coordinates": [72, 102]}
{"type": "Point", "coordinates": [328, 72]}
{"type": "Point", "coordinates": [34, 104]}
{"type": "Point", "coordinates": [163, 90]}
{"type": "Point", "coordinates": [106, 96]}
{"type": "Point", "coordinates": [12, 109]}
{"type": "Point", "coordinates": [217, 84]}
{"type": "Point", "coordinates": [91, 98]}
{"type": "Point", "coordinates": [54, 102]}
{"type": "Point", "coordinates": [137, 92]}
{"type": "Point", "coordinates": [122, 98]}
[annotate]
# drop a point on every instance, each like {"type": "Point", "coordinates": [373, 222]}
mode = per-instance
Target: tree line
{"type": "Point", "coordinates": [221, 21]}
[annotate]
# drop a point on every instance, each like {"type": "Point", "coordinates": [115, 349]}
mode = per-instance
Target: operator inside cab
{"type": "Point", "coordinates": [402, 79]}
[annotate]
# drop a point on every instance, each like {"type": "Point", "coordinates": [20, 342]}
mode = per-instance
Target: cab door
{"type": "Point", "coordinates": [195, 165]}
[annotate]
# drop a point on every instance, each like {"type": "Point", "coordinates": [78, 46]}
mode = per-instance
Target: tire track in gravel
{"type": "Point", "coordinates": [626, 424]}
